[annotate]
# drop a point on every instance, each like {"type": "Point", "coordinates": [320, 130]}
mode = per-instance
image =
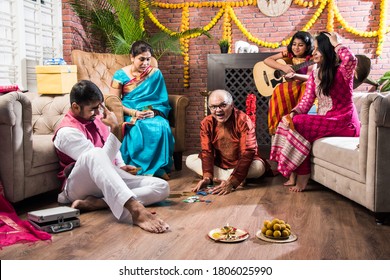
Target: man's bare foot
{"type": "Point", "coordinates": [302, 181]}
{"type": "Point", "coordinates": [90, 203]}
{"type": "Point", "coordinates": [291, 180]}
{"type": "Point", "coordinates": [165, 176]}
{"type": "Point", "coordinates": [145, 219]}
{"type": "Point", "coordinates": [243, 184]}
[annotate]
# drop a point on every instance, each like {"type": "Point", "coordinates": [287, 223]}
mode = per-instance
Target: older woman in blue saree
{"type": "Point", "coordinates": [148, 142]}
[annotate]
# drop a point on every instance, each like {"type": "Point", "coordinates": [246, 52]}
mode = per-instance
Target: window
{"type": "Point", "coordinates": [30, 32]}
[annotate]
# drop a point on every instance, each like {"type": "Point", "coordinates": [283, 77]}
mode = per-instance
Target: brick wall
{"type": "Point", "coordinates": [363, 15]}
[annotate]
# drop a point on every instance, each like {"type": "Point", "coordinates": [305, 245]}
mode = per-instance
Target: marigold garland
{"type": "Point", "coordinates": [227, 26]}
{"type": "Point", "coordinates": [185, 44]}
{"type": "Point", "coordinates": [229, 16]}
{"type": "Point", "coordinates": [382, 26]}
{"type": "Point", "coordinates": [330, 22]}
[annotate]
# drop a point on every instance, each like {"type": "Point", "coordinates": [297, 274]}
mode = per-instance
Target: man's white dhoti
{"type": "Point", "coordinates": [95, 174]}
{"type": "Point", "coordinates": [194, 163]}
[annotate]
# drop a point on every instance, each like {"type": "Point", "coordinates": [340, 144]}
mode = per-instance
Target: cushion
{"type": "Point", "coordinates": [358, 97]}
{"type": "Point", "coordinates": [8, 88]}
{"type": "Point", "coordinates": [340, 152]}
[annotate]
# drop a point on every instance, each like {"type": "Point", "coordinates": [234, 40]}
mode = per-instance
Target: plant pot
{"type": "Point", "coordinates": [224, 49]}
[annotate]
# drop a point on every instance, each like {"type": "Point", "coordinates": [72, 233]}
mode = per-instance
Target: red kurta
{"type": "Point", "coordinates": [229, 145]}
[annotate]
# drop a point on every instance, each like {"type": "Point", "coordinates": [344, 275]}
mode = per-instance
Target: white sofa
{"type": "Point", "coordinates": [358, 167]}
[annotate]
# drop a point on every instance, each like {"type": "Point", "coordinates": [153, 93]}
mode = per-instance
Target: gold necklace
{"type": "Point", "coordinates": [132, 72]}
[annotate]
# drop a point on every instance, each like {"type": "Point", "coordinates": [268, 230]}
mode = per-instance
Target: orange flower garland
{"type": "Point", "coordinates": [227, 10]}
{"type": "Point", "coordinates": [227, 27]}
{"type": "Point", "coordinates": [184, 44]}
{"type": "Point", "coordinates": [330, 22]}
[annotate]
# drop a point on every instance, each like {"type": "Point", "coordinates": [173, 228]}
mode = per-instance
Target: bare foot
{"type": "Point", "coordinates": [165, 176]}
{"type": "Point", "coordinates": [302, 181]}
{"type": "Point", "coordinates": [295, 189]}
{"type": "Point", "coordinates": [243, 184]}
{"type": "Point", "coordinates": [291, 181]}
{"type": "Point", "coordinates": [145, 219]}
{"type": "Point", "coordinates": [90, 203]}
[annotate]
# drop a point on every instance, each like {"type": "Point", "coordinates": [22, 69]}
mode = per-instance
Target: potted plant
{"type": "Point", "coordinates": [119, 25]}
{"type": "Point", "coordinates": [224, 45]}
{"type": "Point", "coordinates": [384, 82]}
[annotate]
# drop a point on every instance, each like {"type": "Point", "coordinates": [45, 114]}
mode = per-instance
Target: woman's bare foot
{"type": "Point", "coordinates": [145, 219]}
{"type": "Point", "coordinates": [302, 181]}
{"type": "Point", "coordinates": [90, 203]}
{"type": "Point", "coordinates": [291, 181]}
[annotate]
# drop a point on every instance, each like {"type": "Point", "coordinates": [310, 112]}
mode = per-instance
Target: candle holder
{"type": "Point", "coordinates": [205, 94]}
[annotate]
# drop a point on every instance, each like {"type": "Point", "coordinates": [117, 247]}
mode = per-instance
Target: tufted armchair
{"type": "Point", "coordinates": [29, 164]}
{"type": "Point", "coordinates": [100, 67]}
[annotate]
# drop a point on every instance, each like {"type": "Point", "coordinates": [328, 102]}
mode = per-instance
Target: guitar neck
{"type": "Point", "coordinates": [302, 65]}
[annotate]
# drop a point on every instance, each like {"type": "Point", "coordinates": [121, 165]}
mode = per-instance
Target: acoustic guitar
{"type": "Point", "coordinates": [267, 78]}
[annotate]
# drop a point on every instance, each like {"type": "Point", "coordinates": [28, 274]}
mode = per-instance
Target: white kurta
{"type": "Point", "coordinates": [95, 174]}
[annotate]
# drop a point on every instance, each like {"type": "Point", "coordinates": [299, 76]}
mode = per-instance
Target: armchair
{"type": "Point", "coordinates": [29, 163]}
{"type": "Point", "coordinates": [100, 67]}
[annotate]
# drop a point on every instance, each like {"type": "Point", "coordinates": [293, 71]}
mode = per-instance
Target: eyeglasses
{"type": "Point", "coordinates": [220, 106]}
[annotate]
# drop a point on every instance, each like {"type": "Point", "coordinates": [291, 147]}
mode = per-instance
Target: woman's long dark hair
{"type": "Point", "coordinates": [327, 69]}
{"type": "Point", "coordinates": [306, 38]}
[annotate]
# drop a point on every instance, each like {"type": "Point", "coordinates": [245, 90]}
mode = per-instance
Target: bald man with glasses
{"type": "Point", "coordinates": [229, 152]}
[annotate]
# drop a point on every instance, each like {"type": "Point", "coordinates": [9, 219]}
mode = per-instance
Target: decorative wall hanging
{"type": "Point", "coordinates": [273, 8]}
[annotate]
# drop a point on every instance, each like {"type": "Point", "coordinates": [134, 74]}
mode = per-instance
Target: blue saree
{"type": "Point", "coordinates": [148, 143]}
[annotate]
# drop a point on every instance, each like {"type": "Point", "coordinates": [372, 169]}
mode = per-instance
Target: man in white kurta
{"type": "Point", "coordinates": [98, 176]}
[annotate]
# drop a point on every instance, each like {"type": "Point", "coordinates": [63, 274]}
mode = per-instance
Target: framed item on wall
{"type": "Point", "coordinates": [273, 8]}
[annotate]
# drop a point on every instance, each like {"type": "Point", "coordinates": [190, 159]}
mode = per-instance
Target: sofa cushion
{"type": "Point", "coordinates": [358, 97]}
{"type": "Point", "coordinates": [340, 154]}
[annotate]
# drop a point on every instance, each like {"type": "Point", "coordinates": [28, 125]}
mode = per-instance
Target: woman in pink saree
{"type": "Point", "coordinates": [332, 84]}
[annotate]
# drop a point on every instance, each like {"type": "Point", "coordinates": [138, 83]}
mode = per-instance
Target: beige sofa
{"type": "Point", "coordinates": [29, 164]}
{"type": "Point", "coordinates": [358, 168]}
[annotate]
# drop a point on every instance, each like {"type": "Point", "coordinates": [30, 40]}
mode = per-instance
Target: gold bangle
{"type": "Point", "coordinates": [132, 112]}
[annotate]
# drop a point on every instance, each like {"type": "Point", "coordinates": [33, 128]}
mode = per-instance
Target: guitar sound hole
{"type": "Point", "coordinates": [278, 74]}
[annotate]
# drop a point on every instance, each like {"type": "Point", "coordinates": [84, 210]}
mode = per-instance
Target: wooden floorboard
{"type": "Point", "coordinates": [328, 226]}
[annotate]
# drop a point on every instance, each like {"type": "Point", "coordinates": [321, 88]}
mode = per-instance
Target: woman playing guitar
{"type": "Point", "coordinates": [294, 64]}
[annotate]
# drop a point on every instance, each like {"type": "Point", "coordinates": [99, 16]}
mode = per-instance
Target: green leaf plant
{"type": "Point", "coordinates": [223, 43]}
{"type": "Point", "coordinates": [384, 82]}
{"type": "Point", "coordinates": [118, 24]}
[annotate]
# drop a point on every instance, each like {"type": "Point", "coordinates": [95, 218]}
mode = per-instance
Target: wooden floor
{"type": "Point", "coordinates": [328, 226]}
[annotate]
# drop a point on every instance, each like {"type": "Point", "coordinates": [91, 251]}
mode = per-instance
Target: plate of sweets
{"type": "Point", "coordinates": [228, 234]}
{"type": "Point", "coordinates": [277, 231]}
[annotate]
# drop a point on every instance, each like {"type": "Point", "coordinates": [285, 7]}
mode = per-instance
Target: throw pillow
{"type": "Point", "coordinates": [8, 88]}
